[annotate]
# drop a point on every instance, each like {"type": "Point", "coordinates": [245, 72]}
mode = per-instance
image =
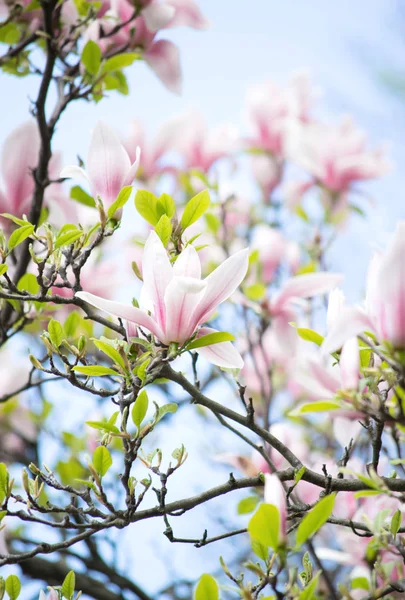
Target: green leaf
{"type": "Point", "coordinates": [19, 235]}
{"type": "Point", "coordinates": [68, 238]}
{"type": "Point", "coordinates": [9, 34]}
{"type": "Point", "coordinates": [310, 336]}
{"type": "Point", "coordinates": [257, 291]}
{"type": "Point", "coordinates": [55, 331]}
{"type": "Point", "coordinates": [68, 585]}
{"type": "Point", "coordinates": [195, 209]}
{"type": "Point", "coordinates": [140, 408]}
{"type": "Point", "coordinates": [79, 195]}
{"type": "Point", "coordinates": [13, 587]}
{"type": "Point", "coordinates": [164, 229]}
{"type": "Point", "coordinates": [213, 223]}
{"type": "Point", "coordinates": [13, 218]}
{"type": "Point", "coordinates": [2, 514]}
{"type": "Point", "coordinates": [95, 371]}
{"type": "Point", "coordinates": [264, 526]}
{"type": "Point", "coordinates": [103, 426]}
{"type": "Point", "coordinates": [361, 583]}
{"type": "Point", "coordinates": [311, 407]}
{"type": "Point", "coordinates": [210, 339]}
{"type": "Point", "coordinates": [314, 520]}
{"type": "Point", "coordinates": [146, 205]}
{"type": "Point", "coordinates": [29, 283]}
{"type": "Point", "coordinates": [111, 352]}
{"type": "Point", "coordinates": [91, 57]}
{"type": "Point", "coordinates": [207, 588]}
{"type": "Point", "coordinates": [121, 200]}
{"type": "Point", "coordinates": [309, 592]}
{"type": "Point", "coordinates": [166, 408]}
{"type": "Point", "coordinates": [247, 505]}
{"type": "Point", "coordinates": [102, 460]}
{"type": "Point", "coordinates": [71, 324]}
{"type": "Point", "coordinates": [120, 61]}
{"type": "Point", "coordinates": [3, 482]}
{"type": "Point", "coordinates": [396, 523]}
{"type": "Point", "coordinates": [166, 206]}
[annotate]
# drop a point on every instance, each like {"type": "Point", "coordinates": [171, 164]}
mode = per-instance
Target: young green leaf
{"type": "Point", "coordinates": [68, 238]}
{"type": "Point", "coordinates": [247, 505]}
{"type": "Point", "coordinates": [310, 336]}
{"type": "Point", "coordinates": [195, 209]}
{"type": "Point", "coordinates": [210, 339]}
{"type": "Point", "coordinates": [121, 200]}
{"type": "Point", "coordinates": [68, 585]}
{"type": "Point", "coordinates": [103, 426]}
{"type": "Point", "coordinates": [166, 408]}
{"type": "Point", "coordinates": [120, 61]}
{"type": "Point", "coordinates": [309, 592]}
{"type": "Point", "coordinates": [140, 408]}
{"type": "Point", "coordinates": [102, 460]}
{"type": "Point", "coordinates": [164, 229]}
{"type": "Point", "coordinates": [13, 587]}
{"type": "Point", "coordinates": [78, 194]}
{"type": "Point", "coordinates": [111, 352]}
{"type": "Point", "coordinates": [55, 331]}
{"type": "Point", "coordinates": [314, 520]}
{"type": "Point", "coordinates": [314, 407]}
{"type": "Point", "coordinates": [165, 205]}
{"type": "Point", "coordinates": [396, 523]}
{"type": "Point", "coordinates": [3, 482]}
{"type": "Point", "coordinates": [95, 371]}
{"type": "Point", "coordinates": [146, 205]}
{"type": "Point", "coordinates": [29, 283]}
{"type": "Point", "coordinates": [207, 588]}
{"type": "Point", "coordinates": [264, 526]}
{"type": "Point", "coordinates": [19, 235]}
{"type": "Point", "coordinates": [91, 57]}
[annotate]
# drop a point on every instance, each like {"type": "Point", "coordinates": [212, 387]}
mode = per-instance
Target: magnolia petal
{"type": "Point", "coordinates": [73, 172]}
{"type": "Point", "coordinates": [187, 14]}
{"type": "Point", "coordinates": [188, 263]}
{"type": "Point", "coordinates": [222, 283]}
{"type": "Point", "coordinates": [345, 430]}
{"type": "Point", "coordinates": [306, 286]}
{"type": "Point", "coordinates": [157, 273]}
{"type": "Point", "coordinates": [108, 163]}
{"type": "Point", "coordinates": [130, 176]}
{"type": "Point", "coordinates": [180, 298]}
{"type": "Point", "coordinates": [19, 157]}
{"type": "Point", "coordinates": [157, 16]}
{"type": "Point", "coordinates": [223, 354]}
{"type": "Point", "coordinates": [164, 60]}
{"type": "Point", "coordinates": [350, 364]}
{"type": "Point", "coordinates": [350, 323]}
{"type": "Point", "coordinates": [123, 311]}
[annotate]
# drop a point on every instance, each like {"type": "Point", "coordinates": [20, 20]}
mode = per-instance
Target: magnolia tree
{"type": "Point", "coordinates": [207, 303]}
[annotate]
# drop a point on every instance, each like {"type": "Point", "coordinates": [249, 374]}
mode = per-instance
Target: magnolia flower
{"type": "Point", "coordinates": [384, 310]}
{"type": "Point", "coordinates": [109, 168]}
{"type": "Point", "coordinates": [179, 300]}
{"type": "Point", "coordinates": [173, 13]}
{"type": "Point", "coordinates": [274, 494]}
{"type": "Point", "coordinates": [52, 595]}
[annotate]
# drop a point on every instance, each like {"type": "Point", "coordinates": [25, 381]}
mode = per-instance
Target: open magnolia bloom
{"type": "Point", "coordinates": [179, 300]}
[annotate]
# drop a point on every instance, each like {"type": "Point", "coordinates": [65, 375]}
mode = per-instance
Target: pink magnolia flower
{"type": "Point", "coordinates": [109, 168]}
{"type": "Point", "coordinates": [336, 155]}
{"type": "Point", "coordinates": [173, 13]}
{"type": "Point", "coordinates": [273, 248]}
{"type": "Point", "coordinates": [274, 494]}
{"type": "Point", "coordinates": [271, 108]}
{"type": "Point", "coordinates": [384, 310]}
{"type": "Point", "coordinates": [179, 300]}
{"type": "Point", "coordinates": [52, 595]}
{"type": "Point", "coordinates": [152, 152]}
{"type": "Point", "coordinates": [19, 157]}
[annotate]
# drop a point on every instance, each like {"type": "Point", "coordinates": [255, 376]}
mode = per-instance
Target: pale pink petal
{"type": "Point", "coordinates": [351, 322]}
{"type": "Point", "coordinates": [108, 163]}
{"type": "Point", "coordinates": [19, 157]}
{"type": "Point", "coordinates": [180, 299]}
{"type": "Point", "coordinates": [222, 283]}
{"type": "Point", "coordinates": [130, 176]}
{"type": "Point", "coordinates": [306, 286]}
{"type": "Point", "coordinates": [350, 364]}
{"type": "Point", "coordinates": [163, 58]}
{"type": "Point", "coordinates": [345, 430]}
{"type": "Point", "coordinates": [158, 16]}
{"type": "Point", "coordinates": [123, 311]}
{"type": "Point", "coordinates": [187, 14]}
{"type": "Point", "coordinates": [336, 302]}
{"type": "Point", "coordinates": [74, 172]}
{"type": "Point", "coordinates": [157, 273]}
{"type": "Point", "coordinates": [274, 494]}
{"type": "Point", "coordinates": [223, 354]}
{"type": "Point", "coordinates": [188, 263]}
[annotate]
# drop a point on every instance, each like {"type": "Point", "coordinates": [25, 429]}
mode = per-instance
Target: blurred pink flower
{"type": "Point", "coordinates": [274, 494]}
{"type": "Point", "coordinates": [179, 300]}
